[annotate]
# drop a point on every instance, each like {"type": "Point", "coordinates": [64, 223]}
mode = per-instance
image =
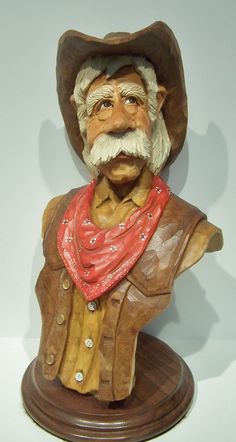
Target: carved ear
{"type": "Point", "coordinates": [161, 96]}
{"type": "Point", "coordinates": [73, 103]}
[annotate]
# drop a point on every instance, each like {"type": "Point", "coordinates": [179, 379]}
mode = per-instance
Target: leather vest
{"type": "Point", "coordinates": [138, 298]}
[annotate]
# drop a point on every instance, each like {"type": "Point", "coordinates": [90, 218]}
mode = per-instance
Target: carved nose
{"type": "Point", "coordinates": [120, 120]}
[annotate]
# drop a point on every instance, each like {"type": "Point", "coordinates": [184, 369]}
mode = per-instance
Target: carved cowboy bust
{"type": "Point", "coordinates": [114, 247]}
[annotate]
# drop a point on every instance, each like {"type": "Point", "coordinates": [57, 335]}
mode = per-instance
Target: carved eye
{"type": "Point", "coordinates": [105, 104]}
{"type": "Point", "coordinates": [131, 100]}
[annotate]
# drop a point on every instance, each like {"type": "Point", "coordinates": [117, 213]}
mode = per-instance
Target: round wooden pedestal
{"type": "Point", "coordinates": [160, 398]}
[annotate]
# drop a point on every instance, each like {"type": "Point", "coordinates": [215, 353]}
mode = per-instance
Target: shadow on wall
{"type": "Point", "coordinates": [176, 174]}
{"type": "Point", "coordinates": [198, 313]}
{"type": "Point", "coordinates": [190, 315]}
{"type": "Point", "coordinates": [202, 166]}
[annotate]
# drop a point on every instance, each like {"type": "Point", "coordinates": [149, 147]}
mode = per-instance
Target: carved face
{"type": "Point", "coordinates": [117, 106]}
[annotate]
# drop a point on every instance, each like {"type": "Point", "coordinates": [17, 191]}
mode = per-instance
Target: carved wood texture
{"type": "Point", "coordinates": [161, 397]}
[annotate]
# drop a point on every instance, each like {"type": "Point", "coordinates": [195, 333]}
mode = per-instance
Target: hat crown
{"type": "Point", "coordinates": [114, 35]}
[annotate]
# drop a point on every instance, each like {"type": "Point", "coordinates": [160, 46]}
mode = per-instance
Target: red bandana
{"type": "Point", "coordinates": [97, 259]}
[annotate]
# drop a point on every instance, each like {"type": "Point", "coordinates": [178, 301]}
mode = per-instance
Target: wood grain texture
{"type": "Point", "coordinates": [147, 295]}
{"type": "Point", "coordinates": [161, 397]}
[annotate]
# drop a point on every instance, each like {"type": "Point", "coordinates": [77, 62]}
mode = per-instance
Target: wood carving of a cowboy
{"type": "Point", "coordinates": [114, 247]}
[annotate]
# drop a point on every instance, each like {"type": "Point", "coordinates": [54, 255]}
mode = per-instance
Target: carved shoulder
{"type": "Point", "coordinates": [205, 238]}
{"type": "Point", "coordinates": [49, 212]}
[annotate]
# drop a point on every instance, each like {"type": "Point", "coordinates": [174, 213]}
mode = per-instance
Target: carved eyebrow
{"type": "Point", "coordinates": [129, 88]}
{"type": "Point", "coordinates": [103, 92]}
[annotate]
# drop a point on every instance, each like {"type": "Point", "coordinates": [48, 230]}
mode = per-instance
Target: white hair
{"type": "Point", "coordinates": [90, 70]}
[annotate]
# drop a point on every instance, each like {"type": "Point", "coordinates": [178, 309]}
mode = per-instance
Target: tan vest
{"type": "Point", "coordinates": [138, 298]}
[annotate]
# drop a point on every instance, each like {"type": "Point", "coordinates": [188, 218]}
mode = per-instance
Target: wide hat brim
{"type": "Point", "coordinates": [157, 43]}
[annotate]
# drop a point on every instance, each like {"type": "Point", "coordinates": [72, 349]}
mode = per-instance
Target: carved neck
{"type": "Point", "coordinates": [123, 190]}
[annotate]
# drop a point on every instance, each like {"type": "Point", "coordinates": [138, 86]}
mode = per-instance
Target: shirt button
{"type": "Point", "coordinates": [88, 343]}
{"type": "Point", "coordinates": [92, 306]}
{"type": "Point", "coordinates": [50, 359]}
{"type": "Point", "coordinates": [66, 284]}
{"type": "Point", "coordinates": [60, 319]}
{"type": "Point", "coordinates": [79, 376]}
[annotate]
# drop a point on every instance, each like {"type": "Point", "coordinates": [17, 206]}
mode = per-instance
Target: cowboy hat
{"type": "Point", "coordinates": [156, 43]}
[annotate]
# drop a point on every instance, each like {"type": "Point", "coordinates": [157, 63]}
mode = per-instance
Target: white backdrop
{"type": "Point", "coordinates": [37, 162]}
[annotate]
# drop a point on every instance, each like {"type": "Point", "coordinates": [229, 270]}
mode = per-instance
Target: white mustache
{"type": "Point", "coordinates": [108, 146]}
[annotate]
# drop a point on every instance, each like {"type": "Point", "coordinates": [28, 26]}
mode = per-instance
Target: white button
{"type": "Point", "coordinates": [88, 343]}
{"type": "Point", "coordinates": [79, 376]}
{"type": "Point", "coordinates": [92, 306]}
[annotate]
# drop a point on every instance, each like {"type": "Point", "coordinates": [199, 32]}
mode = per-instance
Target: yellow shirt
{"type": "Point", "coordinates": [108, 210]}
{"type": "Point", "coordinates": [80, 360]}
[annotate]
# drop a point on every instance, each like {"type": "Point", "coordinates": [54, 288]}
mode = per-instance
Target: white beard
{"type": "Point", "coordinates": [108, 146]}
{"type": "Point", "coordinates": [133, 143]}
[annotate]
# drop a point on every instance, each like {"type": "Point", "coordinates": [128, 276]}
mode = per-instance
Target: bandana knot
{"type": "Point", "coordinates": [97, 259]}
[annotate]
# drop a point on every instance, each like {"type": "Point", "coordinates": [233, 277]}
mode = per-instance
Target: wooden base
{"type": "Point", "coordinates": [160, 398]}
